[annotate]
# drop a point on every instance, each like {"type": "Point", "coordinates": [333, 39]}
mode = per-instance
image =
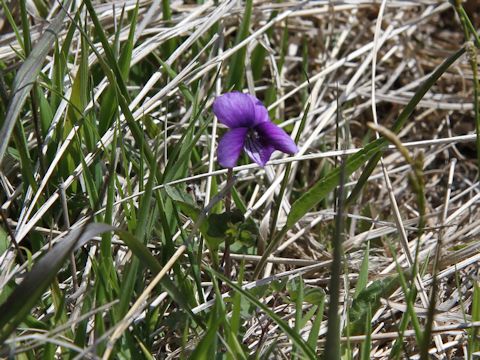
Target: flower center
{"type": "Point", "coordinates": [253, 146]}
{"type": "Point", "coordinates": [252, 135]}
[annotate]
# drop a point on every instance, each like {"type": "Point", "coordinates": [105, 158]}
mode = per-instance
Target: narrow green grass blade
{"type": "Point", "coordinates": [233, 346]}
{"type": "Point", "coordinates": [46, 113]}
{"type": "Point", "coordinates": [363, 274]}
{"type": "Point", "coordinates": [332, 342]}
{"type": "Point", "coordinates": [109, 54]}
{"type": "Point", "coordinates": [288, 168]}
{"type": "Point", "coordinates": [25, 160]}
{"type": "Point", "coordinates": [315, 331]}
{"type": "Point", "coordinates": [109, 102]}
{"type": "Point", "coordinates": [140, 250]}
{"type": "Point", "coordinates": [396, 351]}
{"type": "Point", "coordinates": [12, 23]}
{"type": "Point", "coordinates": [473, 342]}
{"type": "Point", "coordinates": [58, 300]}
{"type": "Point", "coordinates": [41, 7]}
{"type": "Point", "coordinates": [308, 316]}
{"type": "Point", "coordinates": [466, 22]}
{"type": "Point", "coordinates": [25, 295]}
{"type": "Point", "coordinates": [298, 313]}
{"type": "Point", "coordinates": [260, 53]}
{"type": "Point", "coordinates": [126, 54]}
{"type": "Point", "coordinates": [283, 47]}
{"type": "Point", "coordinates": [180, 157]}
{"type": "Point", "coordinates": [181, 152]}
{"type": "Point", "coordinates": [170, 45]}
{"type": "Point", "coordinates": [208, 344]}
{"type": "Point", "coordinates": [237, 69]}
{"type": "Point", "coordinates": [80, 338]}
{"type": "Point", "coordinates": [369, 300]}
{"type": "Point", "coordinates": [112, 71]}
{"type": "Point", "coordinates": [146, 353]}
{"type": "Point", "coordinates": [26, 76]}
{"type": "Point", "coordinates": [294, 336]}
{"type": "Point", "coordinates": [106, 244]}
{"type": "Point", "coordinates": [239, 203]}
{"type": "Point", "coordinates": [4, 243]}
{"type": "Point", "coordinates": [130, 277]}
{"type": "Point", "coordinates": [235, 320]}
{"type": "Point", "coordinates": [25, 28]}
{"type": "Point", "coordinates": [326, 185]}
{"type": "Point", "coordinates": [367, 343]}
{"type": "Point", "coordinates": [410, 291]}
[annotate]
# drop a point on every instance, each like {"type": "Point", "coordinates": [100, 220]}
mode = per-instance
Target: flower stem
{"type": "Point", "coordinates": [228, 196]}
{"type": "Point", "coordinates": [227, 261]}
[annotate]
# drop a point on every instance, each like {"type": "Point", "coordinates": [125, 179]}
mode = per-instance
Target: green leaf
{"type": "Point", "coordinates": [217, 226]}
{"type": "Point", "coordinates": [235, 321]}
{"type": "Point", "coordinates": [260, 53]}
{"type": "Point", "coordinates": [12, 23]}
{"type": "Point", "coordinates": [403, 117]}
{"type": "Point", "coordinates": [46, 114]}
{"type": "Point", "coordinates": [327, 184]}
{"type": "Point", "coordinates": [109, 104]}
{"type": "Point", "coordinates": [180, 196]}
{"type": "Point", "coordinates": [230, 225]}
{"type": "Point", "coordinates": [314, 296]}
{"type": "Point", "coordinates": [298, 312]}
{"type": "Point", "coordinates": [368, 300]}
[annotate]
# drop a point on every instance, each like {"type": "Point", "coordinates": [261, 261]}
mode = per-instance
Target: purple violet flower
{"type": "Point", "coordinates": [250, 130]}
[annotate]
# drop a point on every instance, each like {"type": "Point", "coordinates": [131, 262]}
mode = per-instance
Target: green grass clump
{"type": "Point", "coordinates": [115, 214]}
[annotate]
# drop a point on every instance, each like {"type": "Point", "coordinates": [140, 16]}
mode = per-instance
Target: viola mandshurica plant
{"type": "Point", "coordinates": [250, 129]}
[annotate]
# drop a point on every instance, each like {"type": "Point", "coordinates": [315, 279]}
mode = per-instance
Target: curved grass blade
{"type": "Point", "coordinates": [23, 298]}
{"type": "Point", "coordinates": [26, 76]}
{"type": "Point", "coordinates": [403, 117]}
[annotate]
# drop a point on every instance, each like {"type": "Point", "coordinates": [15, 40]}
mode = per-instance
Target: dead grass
{"type": "Point", "coordinates": [335, 43]}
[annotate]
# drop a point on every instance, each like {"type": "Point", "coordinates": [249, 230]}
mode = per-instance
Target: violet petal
{"type": "Point", "coordinates": [261, 112]}
{"type": "Point", "coordinates": [257, 150]}
{"type": "Point", "coordinates": [230, 147]}
{"type": "Point", "coordinates": [235, 110]}
{"type": "Point", "coordinates": [276, 137]}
